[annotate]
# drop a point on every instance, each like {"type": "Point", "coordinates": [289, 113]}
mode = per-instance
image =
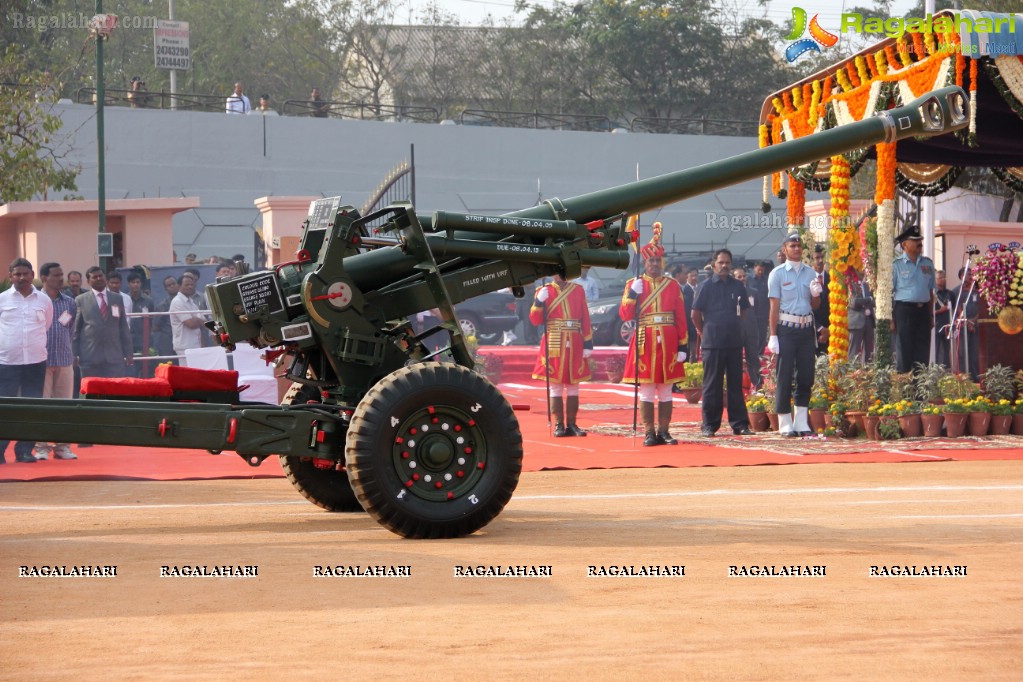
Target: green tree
{"type": "Point", "coordinates": [659, 58]}
{"type": "Point", "coordinates": [31, 154]}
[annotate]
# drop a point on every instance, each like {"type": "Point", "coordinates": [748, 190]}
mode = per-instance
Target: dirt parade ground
{"type": "Point", "coordinates": [699, 573]}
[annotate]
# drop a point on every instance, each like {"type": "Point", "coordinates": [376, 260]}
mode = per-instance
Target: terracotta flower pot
{"type": "Point", "coordinates": [870, 423]}
{"type": "Point", "coordinates": [772, 419]}
{"type": "Point", "coordinates": [978, 423]}
{"type": "Point", "coordinates": [1017, 424]}
{"type": "Point", "coordinates": [816, 418]}
{"type": "Point", "coordinates": [1000, 425]}
{"type": "Point", "coordinates": [955, 424]}
{"type": "Point", "coordinates": [911, 425]}
{"type": "Point", "coordinates": [855, 419]}
{"type": "Point", "coordinates": [693, 395]}
{"type": "Point", "coordinates": [932, 424]}
{"type": "Point", "coordinates": [758, 421]}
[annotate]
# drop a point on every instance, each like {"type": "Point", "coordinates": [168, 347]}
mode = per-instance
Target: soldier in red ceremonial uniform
{"type": "Point", "coordinates": [566, 345]}
{"type": "Point", "coordinates": [661, 335]}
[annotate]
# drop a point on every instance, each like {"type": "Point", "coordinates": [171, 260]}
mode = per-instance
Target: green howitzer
{"type": "Point", "coordinates": [374, 420]}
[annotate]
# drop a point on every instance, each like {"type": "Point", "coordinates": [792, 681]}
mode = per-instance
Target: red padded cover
{"type": "Point", "coordinates": [127, 386]}
{"type": "Point", "coordinates": [192, 379]}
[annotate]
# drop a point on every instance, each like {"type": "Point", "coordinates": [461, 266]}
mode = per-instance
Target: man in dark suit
{"type": "Point", "coordinates": [861, 320]}
{"type": "Point", "coordinates": [102, 340]}
{"type": "Point", "coordinates": [688, 296]}
{"type": "Point", "coordinates": [822, 313]}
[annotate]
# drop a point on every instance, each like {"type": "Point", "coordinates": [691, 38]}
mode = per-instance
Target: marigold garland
{"type": "Point", "coordinates": [843, 253]}
{"type": "Point", "coordinates": [796, 206]}
{"type": "Point", "coordinates": [972, 136]}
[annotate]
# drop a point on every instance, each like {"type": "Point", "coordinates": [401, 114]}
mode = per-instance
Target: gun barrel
{"type": "Point", "coordinates": [935, 113]}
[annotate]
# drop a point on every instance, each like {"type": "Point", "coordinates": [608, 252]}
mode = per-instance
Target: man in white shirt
{"type": "Point", "coordinates": [237, 102]}
{"type": "Point", "coordinates": [186, 320]}
{"type": "Point", "coordinates": [25, 316]}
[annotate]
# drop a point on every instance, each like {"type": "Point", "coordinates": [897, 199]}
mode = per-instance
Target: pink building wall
{"type": "Point", "coordinates": [65, 231]}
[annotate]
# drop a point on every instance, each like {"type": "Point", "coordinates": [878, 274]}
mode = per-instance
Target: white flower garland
{"type": "Point", "coordinates": [841, 108]}
{"type": "Point", "coordinates": [940, 79]}
{"type": "Point", "coordinates": [885, 258]}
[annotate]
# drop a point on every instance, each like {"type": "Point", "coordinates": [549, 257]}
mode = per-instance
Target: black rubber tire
{"type": "Point", "coordinates": [446, 480]}
{"type": "Point", "coordinates": [329, 489]}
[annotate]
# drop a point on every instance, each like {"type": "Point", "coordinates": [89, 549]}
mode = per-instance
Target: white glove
{"type": "Point", "coordinates": [542, 295]}
{"type": "Point", "coordinates": [637, 286]}
{"type": "Point", "coordinates": [587, 353]}
{"type": "Point", "coordinates": [815, 288]}
{"type": "Point", "coordinates": [772, 345]}
{"type": "Point", "coordinates": [681, 356]}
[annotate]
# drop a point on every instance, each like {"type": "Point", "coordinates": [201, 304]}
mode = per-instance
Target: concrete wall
{"type": "Point", "coordinates": [230, 161]}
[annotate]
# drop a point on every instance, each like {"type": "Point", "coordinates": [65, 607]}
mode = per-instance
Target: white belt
{"type": "Point", "coordinates": [795, 319]}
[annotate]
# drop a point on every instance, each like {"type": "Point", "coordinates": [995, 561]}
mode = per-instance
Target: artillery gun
{"type": "Point", "coordinates": [374, 421]}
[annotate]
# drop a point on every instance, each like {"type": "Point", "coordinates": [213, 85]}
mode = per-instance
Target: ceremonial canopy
{"type": "Point", "coordinates": [983, 57]}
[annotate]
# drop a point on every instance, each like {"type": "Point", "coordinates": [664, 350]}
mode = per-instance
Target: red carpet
{"type": "Point", "coordinates": [606, 411]}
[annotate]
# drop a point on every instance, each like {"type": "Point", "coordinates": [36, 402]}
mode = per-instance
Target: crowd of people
{"type": "Point", "coordinates": [731, 322]}
{"type": "Point", "coordinates": [89, 326]}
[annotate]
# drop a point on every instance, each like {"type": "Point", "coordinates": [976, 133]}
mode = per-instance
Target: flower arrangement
{"type": "Point", "coordinates": [879, 409]}
{"type": "Point", "coordinates": [1017, 407]}
{"type": "Point", "coordinates": [757, 402]}
{"type": "Point", "coordinates": [931, 409]}
{"type": "Point", "coordinates": [1002, 408]}
{"type": "Point", "coordinates": [996, 273]}
{"type": "Point", "coordinates": [907, 407]}
{"type": "Point", "coordinates": [978, 404]}
{"type": "Point", "coordinates": [957, 405]}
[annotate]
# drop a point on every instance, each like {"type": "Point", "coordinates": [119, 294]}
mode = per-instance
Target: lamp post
{"type": "Point", "coordinates": [102, 26]}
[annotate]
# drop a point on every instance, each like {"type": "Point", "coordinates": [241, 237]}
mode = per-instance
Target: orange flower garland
{"type": "Point", "coordinates": [844, 248]}
{"type": "Point", "coordinates": [796, 203]}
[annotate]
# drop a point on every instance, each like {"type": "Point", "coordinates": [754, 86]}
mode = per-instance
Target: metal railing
{"type": "Point", "coordinates": [535, 119]}
{"type": "Point", "coordinates": [693, 125]}
{"type": "Point", "coordinates": [363, 111]}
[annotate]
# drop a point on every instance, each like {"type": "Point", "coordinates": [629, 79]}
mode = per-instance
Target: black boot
{"type": "Point", "coordinates": [571, 411]}
{"type": "Point", "coordinates": [558, 410]}
{"type": "Point", "coordinates": [663, 422]}
{"type": "Point", "coordinates": [646, 413]}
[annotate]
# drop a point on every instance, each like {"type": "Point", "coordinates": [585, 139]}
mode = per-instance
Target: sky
{"type": "Point", "coordinates": [472, 12]}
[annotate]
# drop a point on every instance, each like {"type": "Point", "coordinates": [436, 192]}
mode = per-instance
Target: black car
{"type": "Point", "coordinates": [608, 328]}
{"type": "Point", "coordinates": [488, 316]}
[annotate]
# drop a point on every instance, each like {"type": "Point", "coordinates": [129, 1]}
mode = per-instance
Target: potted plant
{"type": "Point", "coordinates": [908, 412]}
{"type": "Point", "coordinates": [999, 384]}
{"type": "Point", "coordinates": [955, 386]}
{"type": "Point", "coordinates": [873, 418]}
{"type": "Point", "coordinates": [979, 416]}
{"type": "Point", "coordinates": [1017, 417]}
{"type": "Point", "coordinates": [928, 383]}
{"type": "Point", "coordinates": [840, 421]}
{"type": "Point", "coordinates": [820, 400]}
{"type": "Point", "coordinates": [769, 387]}
{"type": "Point", "coordinates": [1001, 417]}
{"type": "Point", "coordinates": [931, 419]}
{"type": "Point", "coordinates": [888, 428]}
{"type": "Point", "coordinates": [956, 412]}
{"type": "Point", "coordinates": [756, 406]}
{"type": "Point", "coordinates": [692, 383]}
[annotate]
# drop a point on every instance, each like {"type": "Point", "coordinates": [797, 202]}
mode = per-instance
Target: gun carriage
{"type": "Point", "coordinates": [373, 420]}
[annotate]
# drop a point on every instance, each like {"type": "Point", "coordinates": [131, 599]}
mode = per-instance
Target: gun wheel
{"type": "Point", "coordinates": [328, 488]}
{"type": "Point", "coordinates": [434, 451]}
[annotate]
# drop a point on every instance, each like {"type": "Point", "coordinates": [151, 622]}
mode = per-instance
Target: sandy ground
{"type": "Point", "coordinates": [432, 624]}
